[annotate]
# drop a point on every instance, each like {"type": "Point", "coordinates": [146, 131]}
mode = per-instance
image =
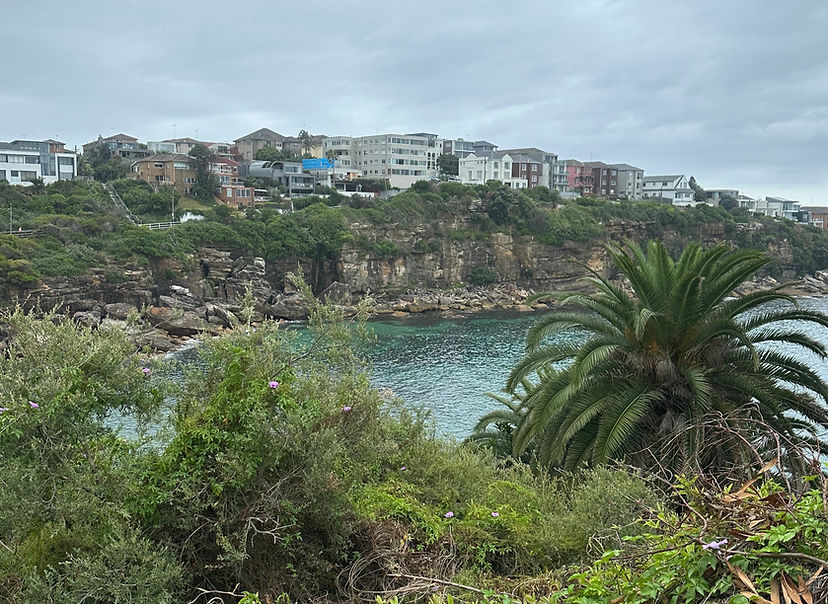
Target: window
{"type": "Point", "coordinates": [16, 159]}
{"type": "Point", "coordinates": [158, 164]}
{"type": "Point", "coordinates": [2, 175]}
{"type": "Point", "coordinates": [28, 175]}
{"type": "Point", "coordinates": [15, 174]}
{"type": "Point", "coordinates": [32, 159]}
{"type": "Point", "coordinates": [534, 167]}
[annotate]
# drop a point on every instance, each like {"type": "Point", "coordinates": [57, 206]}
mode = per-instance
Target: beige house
{"type": "Point", "coordinates": [264, 137]}
{"type": "Point", "coordinates": [167, 170]}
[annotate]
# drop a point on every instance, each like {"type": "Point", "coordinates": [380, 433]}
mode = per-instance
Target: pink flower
{"type": "Point", "coordinates": [273, 384]}
{"type": "Point", "coordinates": [3, 409]}
{"type": "Point", "coordinates": [346, 409]}
{"type": "Point", "coordinates": [495, 515]}
{"type": "Point", "coordinates": [34, 405]}
{"type": "Point", "coordinates": [714, 544]}
{"type": "Point", "coordinates": [448, 515]}
{"type": "Point", "coordinates": [145, 371]}
{"type": "Point", "coordinates": [403, 469]}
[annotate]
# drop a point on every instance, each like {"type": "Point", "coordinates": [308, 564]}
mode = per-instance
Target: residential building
{"type": "Point", "coordinates": [714, 196]}
{"type": "Point", "coordinates": [162, 147]}
{"type": "Point", "coordinates": [249, 144]}
{"type": "Point", "coordinates": [538, 167]}
{"type": "Point", "coordinates": [604, 179]}
{"type": "Point", "coordinates": [476, 170]}
{"type": "Point", "coordinates": [673, 188]}
{"type": "Point", "coordinates": [818, 216]}
{"type": "Point", "coordinates": [629, 181]}
{"type": "Point", "coordinates": [23, 161]}
{"type": "Point", "coordinates": [224, 150]}
{"type": "Point", "coordinates": [779, 207]}
{"type": "Point", "coordinates": [747, 202]}
{"type": "Point", "coordinates": [338, 149]}
{"type": "Point", "coordinates": [237, 195]}
{"type": "Point", "coordinates": [119, 145]}
{"type": "Point", "coordinates": [484, 147]}
{"type": "Point", "coordinates": [184, 145]}
{"type": "Point", "coordinates": [225, 171]}
{"type": "Point", "coordinates": [315, 146]}
{"type": "Point", "coordinates": [579, 178]}
{"type": "Point", "coordinates": [463, 148]}
{"type": "Point", "coordinates": [403, 159]}
{"type": "Point", "coordinates": [166, 170]}
{"type": "Point", "coordinates": [289, 174]}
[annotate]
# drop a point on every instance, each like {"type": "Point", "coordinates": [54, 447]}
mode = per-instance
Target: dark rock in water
{"type": "Point", "coordinates": [175, 322]}
{"type": "Point", "coordinates": [289, 307]}
{"type": "Point", "coordinates": [155, 340]}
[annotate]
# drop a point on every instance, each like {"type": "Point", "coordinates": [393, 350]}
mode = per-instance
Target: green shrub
{"type": "Point", "coordinates": [483, 276]}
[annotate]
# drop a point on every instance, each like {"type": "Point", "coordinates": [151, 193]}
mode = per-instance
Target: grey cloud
{"type": "Point", "coordinates": [733, 92]}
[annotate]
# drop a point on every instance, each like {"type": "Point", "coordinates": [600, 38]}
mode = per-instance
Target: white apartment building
{"type": "Point", "coordinates": [674, 189]}
{"type": "Point", "coordinates": [403, 159]}
{"type": "Point", "coordinates": [476, 170]}
{"type": "Point", "coordinates": [338, 149]}
{"type": "Point", "coordinates": [23, 161]}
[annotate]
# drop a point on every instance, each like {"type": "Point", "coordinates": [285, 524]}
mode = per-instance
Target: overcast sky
{"type": "Point", "coordinates": [734, 92]}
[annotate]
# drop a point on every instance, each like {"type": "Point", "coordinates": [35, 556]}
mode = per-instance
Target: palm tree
{"type": "Point", "coordinates": [680, 375]}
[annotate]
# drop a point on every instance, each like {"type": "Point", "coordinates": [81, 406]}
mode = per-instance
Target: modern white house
{"type": "Point", "coordinates": [476, 170]}
{"type": "Point", "coordinates": [21, 162]}
{"type": "Point", "coordinates": [672, 188]}
{"type": "Point", "coordinates": [779, 207]}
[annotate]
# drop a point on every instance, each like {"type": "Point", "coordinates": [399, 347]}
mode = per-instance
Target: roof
{"type": "Point", "coordinates": [816, 209]}
{"type": "Point", "coordinates": [625, 167]}
{"type": "Point", "coordinates": [223, 160]}
{"type": "Point", "coordinates": [261, 134]}
{"type": "Point", "coordinates": [186, 139]}
{"type": "Point", "coordinates": [122, 136]}
{"type": "Point", "coordinates": [482, 143]}
{"type": "Point", "coordinates": [595, 164]}
{"type": "Point", "coordinates": [663, 177]}
{"type": "Point", "coordinates": [53, 141]}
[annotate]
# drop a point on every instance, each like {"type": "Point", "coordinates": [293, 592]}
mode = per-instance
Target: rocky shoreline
{"type": "Point", "coordinates": [207, 298]}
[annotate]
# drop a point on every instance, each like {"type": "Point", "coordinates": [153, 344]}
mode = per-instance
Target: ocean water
{"type": "Point", "coordinates": [448, 364]}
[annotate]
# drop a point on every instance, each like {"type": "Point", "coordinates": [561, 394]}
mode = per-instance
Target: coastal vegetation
{"type": "Point", "coordinates": [268, 469]}
{"type": "Point", "coordinates": [78, 228]}
{"type": "Point", "coordinates": [667, 450]}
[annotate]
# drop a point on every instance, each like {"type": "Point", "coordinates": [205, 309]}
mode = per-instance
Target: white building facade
{"type": "Point", "coordinates": [476, 170]}
{"type": "Point", "coordinates": [674, 189]}
{"type": "Point", "coordinates": [403, 159]}
{"type": "Point", "coordinates": [21, 162]}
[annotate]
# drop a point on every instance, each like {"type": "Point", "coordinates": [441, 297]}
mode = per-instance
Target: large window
{"type": "Point", "coordinates": [16, 159]}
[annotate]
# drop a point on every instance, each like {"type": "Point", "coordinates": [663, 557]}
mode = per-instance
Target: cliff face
{"type": "Point", "coordinates": [517, 259]}
{"type": "Point", "coordinates": [211, 284]}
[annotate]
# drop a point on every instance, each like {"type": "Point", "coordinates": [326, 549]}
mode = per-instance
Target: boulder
{"type": "Point", "coordinates": [174, 322]}
{"type": "Point", "coordinates": [118, 310]}
{"type": "Point", "coordinates": [90, 318]}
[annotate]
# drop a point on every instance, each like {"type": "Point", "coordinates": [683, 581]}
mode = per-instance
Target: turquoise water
{"type": "Point", "coordinates": [448, 365]}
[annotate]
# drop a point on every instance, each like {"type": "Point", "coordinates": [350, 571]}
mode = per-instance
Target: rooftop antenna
{"type": "Point", "coordinates": [174, 134]}
{"type": "Point", "coordinates": [196, 133]}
